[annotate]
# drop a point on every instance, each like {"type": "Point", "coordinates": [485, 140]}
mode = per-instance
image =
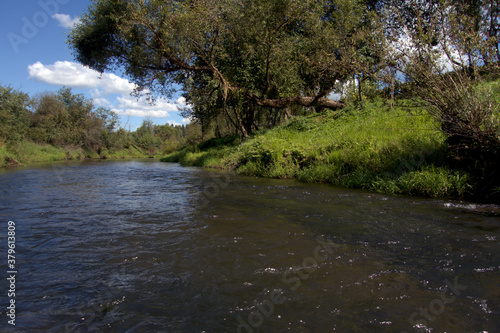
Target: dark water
{"type": "Point", "coordinates": [153, 247]}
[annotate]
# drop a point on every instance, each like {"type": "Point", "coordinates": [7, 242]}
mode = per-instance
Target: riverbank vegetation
{"type": "Point", "coordinates": [392, 151]}
{"type": "Point", "coordinates": [272, 72]}
{"type": "Point", "coordinates": [387, 145]}
{"type": "Point", "coordinates": [55, 126]}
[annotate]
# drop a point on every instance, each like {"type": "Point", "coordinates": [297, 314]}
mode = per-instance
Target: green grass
{"type": "Point", "coordinates": [25, 152]}
{"type": "Point", "coordinates": [4, 156]}
{"type": "Point", "coordinates": [125, 153]}
{"type": "Point", "coordinates": [400, 151]}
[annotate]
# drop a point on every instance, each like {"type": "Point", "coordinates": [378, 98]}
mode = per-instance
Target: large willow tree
{"type": "Point", "coordinates": [448, 50]}
{"type": "Point", "coordinates": [235, 54]}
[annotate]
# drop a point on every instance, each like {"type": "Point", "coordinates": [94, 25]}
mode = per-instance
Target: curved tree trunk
{"type": "Point", "coordinates": [307, 101]}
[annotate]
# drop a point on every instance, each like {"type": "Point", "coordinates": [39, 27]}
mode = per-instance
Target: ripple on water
{"type": "Point", "coordinates": [124, 246]}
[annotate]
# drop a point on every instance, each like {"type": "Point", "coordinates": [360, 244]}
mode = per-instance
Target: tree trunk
{"type": "Point", "coordinates": [250, 117]}
{"type": "Point", "coordinates": [240, 125]}
{"type": "Point", "coordinates": [392, 93]}
{"type": "Point", "coordinates": [307, 101]}
{"type": "Point", "coordinates": [360, 96]}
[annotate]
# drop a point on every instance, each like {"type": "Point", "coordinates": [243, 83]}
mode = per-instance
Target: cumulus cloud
{"type": "Point", "coordinates": [65, 73]}
{"type": "Point", "coordinates": [65, 20]}
{"type": "Point", "coordinates": [130, 106]}
{"type": "Point", "coordinates": [181, 100]}
{"type": "Point", "coordinates": [102, 102]}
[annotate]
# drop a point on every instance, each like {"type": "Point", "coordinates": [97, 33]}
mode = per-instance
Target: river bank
{"type": "Point", "coordinates": [26, 153]}
{"type": "Point", "coordinates": [396, 151]}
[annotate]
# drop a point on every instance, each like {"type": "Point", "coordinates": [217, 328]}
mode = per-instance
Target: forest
{"type": "Point", "coordinates": [63, 125]}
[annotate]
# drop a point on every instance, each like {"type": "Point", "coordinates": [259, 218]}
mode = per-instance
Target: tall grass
{"type": "Point", "coordinates": [25, 152]}
{"type": "Point", "coordinates": [398, 151]}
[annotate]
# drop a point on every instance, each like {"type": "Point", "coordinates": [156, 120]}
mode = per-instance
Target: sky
{"type": "Point", "coordinates": [34, 58]}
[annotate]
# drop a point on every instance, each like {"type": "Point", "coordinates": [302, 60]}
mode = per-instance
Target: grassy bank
{"type": "Point", "coordinates": [26, 152]}
{"type": "Point", "coordinates": [391, 151]}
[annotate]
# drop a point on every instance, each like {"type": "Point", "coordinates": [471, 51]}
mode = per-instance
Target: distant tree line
{"type": "Point", "coordinates": [64, 118]}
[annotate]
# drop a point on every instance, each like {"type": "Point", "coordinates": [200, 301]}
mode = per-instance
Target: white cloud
{"type": "Point", "coordinates": [173, 123]}
{"type": "Point", "coordinates": [448, 59]}
{"type": "Point", "coordinates": [181, 100]}
{"type": "Point", "coordinates": [131, 106]}
{"type": "Point", "coordinates": [65, 20]}
{"type": "Point", "coordinates": [184, 121]}
{"type": "Point", "coordinates": [102, 102]}
{"type": "Point", "coordinates": [65, 73]}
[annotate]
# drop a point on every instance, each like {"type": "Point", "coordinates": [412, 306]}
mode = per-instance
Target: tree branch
{"type": "Point", "coordinates": [306, 101]}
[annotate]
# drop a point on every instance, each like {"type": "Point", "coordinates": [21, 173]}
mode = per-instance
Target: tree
{"type": "Point", "coordinates": [14, 114]}
{"type": "Point", "coordinates": [492, 23]}
{"type": "Point", "coordinates": [193, 133]}
{"type": "Point", "coordinates": [50, 120]}
{"type": "Point", "coordinates": [272, 54]}
{"type": "Point", "coordinates": [443, 57]}
{"type": "Point", "coordinates": [65, 118]}
{"type": "Point", "coordinates": [145, 137]}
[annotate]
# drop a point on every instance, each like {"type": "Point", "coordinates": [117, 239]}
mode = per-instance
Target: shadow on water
{"type": "Point", "coordinates": [142, 246]}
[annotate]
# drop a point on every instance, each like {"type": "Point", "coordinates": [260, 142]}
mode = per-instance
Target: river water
{"type": "Point", "coordinates": [144, 246]}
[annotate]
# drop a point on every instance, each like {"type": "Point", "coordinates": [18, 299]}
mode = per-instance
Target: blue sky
{"type": "Point", "coordinates": [34, 58]}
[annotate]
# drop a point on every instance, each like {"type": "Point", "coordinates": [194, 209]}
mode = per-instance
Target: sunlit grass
{"type": "Point", "coordinates": [391, 151]}
{"type": "Point", "coordinates": [26, 152]}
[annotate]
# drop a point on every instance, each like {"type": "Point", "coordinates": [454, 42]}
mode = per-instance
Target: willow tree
{"type": "Point", "coordinates": [270, 53]}
{"type": "Point", "coordinates": [445, 55]}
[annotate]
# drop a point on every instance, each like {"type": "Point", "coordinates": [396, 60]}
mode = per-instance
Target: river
{"type": "Point", "coordinates": [145, 246]}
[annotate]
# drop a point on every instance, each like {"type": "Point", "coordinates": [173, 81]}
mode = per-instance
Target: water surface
{"type": "Point", "coordinates": [143, 246]}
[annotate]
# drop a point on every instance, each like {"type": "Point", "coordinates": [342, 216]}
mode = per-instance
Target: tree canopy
{"type": "Point", "coordinates": [271, 54]}
{"type": "Point", "coordinates": [237, 59]}
{"type": "Point", "coordinates": [66, 119]}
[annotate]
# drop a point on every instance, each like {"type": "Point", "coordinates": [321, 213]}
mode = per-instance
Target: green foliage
{"type": "Point", "coordinates": [63, 126]}
{"type": "Point", "coordinates": [5, 157]}
{"type": "Point", "coordinates": [374, 148]}
{"type": "Point", "coordinates": [165, 138]}
{"type": "Point", "coordinates": [14, 114]}
{"type": "Point", "coordinates": [444, 59]}
{"type": "Point", "coordinates": [29, 152]}
{"type": "Point", "coordinates": [64, 118]}
{"type": "Point", "coordinates": [144, 136]}
{"type": "Point", "coordinates": [25, 152]}
{"type": "Point", "coordinates": [233, 58]}
{"type": "Point", "coordinates": [218, 142]}
{"type": "Point", "coordinates": [431, 181]}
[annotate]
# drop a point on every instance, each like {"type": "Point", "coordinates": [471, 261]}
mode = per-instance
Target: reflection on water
{"type": "Point", "coordinates": [147, 247]}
